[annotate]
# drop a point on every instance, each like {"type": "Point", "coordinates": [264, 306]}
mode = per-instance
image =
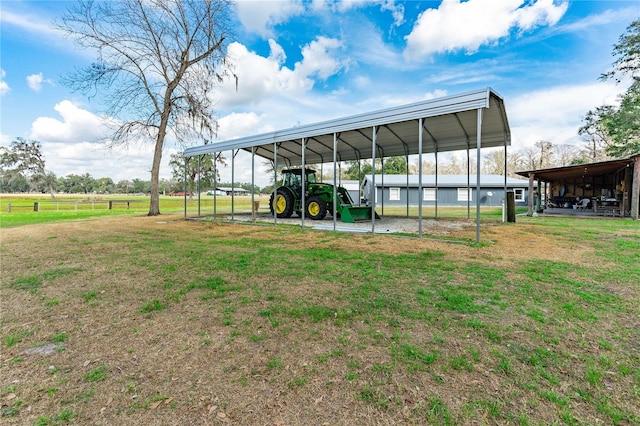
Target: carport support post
{"type": "Point", "coordinates": [437, 190]}
{"type": "Point", "coordinates": [275, 182]}
{"type": "Point", "coordinates": [233, 190]}
{"type": "Point", "coordinates": [303, 178]}
{"type": "Point", "coordinates": [215, 185]}
{"type": "Point", "coordinates": [254, 211]}
{"type": "Point", "coordinates": [382, 183]}
{"type": "Point", "coordinates": [373, 180]}
{"type": "Point", "coordinates": [186, 161]}
{"type": "Point", "coordinates": [335, 193]}
{"type": "Point", "coordinates": [406, 159]}
{"type": "Point", "coordinates": [478, 147]}
{"type": "Point", "coordinates": [469, 192]}
{"type": "Point", "coordinates": [199, 156]}
{"type": "Point", "coordinates": [504, 200]}
{"type": "Point", "coordinates": [420, 131]}
{"type": "Point", "coordinates": [635, 188]}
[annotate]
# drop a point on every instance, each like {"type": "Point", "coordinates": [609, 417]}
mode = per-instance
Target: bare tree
{"type": "Point", "coordinates": [545, 156]}
{"type": "Point", "coordinates": [428, 167]}
{"type": "Point", "coordinates": [453, 166]}
{"type": "Point", "coordinates": [515, 162]}
{"type": "Point", "coordinates": [566, 155]}
{"type": "Point", "coordinates": [539, 156]}
{"type": "Point", "coordinates": [157, 65]}
{"type": "Point", "coordinates": [493, 162]}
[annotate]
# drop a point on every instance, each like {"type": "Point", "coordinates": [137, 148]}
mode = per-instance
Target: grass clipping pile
{"type": "Point", "coordinates": [137, 320]}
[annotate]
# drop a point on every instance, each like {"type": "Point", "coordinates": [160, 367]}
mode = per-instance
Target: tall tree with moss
{"type": "Point", "coordinates": [156, 69]}
{"type": "Point", "coordinates": [179, 165]}
{"type": "Point", "coordinates": [25, 158]}
{"type": "Point", "coordinates": [618, 127]}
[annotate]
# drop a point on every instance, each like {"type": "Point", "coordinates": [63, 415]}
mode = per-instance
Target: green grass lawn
{"type": "Point", "coordinates": [173, 322]}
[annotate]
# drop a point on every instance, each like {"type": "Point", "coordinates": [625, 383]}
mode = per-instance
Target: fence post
{"type": "Point", "coordinates": [110, 204]}
{"type": "Point", "coordinates": [8, 207]}
{"type": "Point", "coordinates": [511, 207]}
{"type": "Point", "coordinates": [36, 207]}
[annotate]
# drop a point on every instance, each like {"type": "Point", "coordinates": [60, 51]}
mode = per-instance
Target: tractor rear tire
{"type": "Point", "coordinates": [283, 203]}
{"type": "Point", "coordinates": [316, 208]}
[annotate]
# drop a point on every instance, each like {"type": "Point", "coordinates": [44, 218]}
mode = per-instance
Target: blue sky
{"type": "Point", "coordinates": [302, 62]}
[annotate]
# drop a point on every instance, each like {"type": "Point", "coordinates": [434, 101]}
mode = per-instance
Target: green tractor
{"type": "Point", "coordinates": [287, 199]}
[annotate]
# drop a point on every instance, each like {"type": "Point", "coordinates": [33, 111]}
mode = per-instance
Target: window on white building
{"type": "Point", "coordinates": [428, 194]}
{"type": "Point", "coordinates": [464, 194]}
{"type": "Point", "coordinates": [394, 194]}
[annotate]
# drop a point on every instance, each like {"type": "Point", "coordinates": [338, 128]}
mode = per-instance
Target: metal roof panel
{"type": "Point", "coordinates": [449, 125]}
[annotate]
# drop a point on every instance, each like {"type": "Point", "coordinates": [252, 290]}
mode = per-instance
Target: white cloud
{"type": "Point", "coordinates": [598, 20]}
{"type": "Point", "coordinates": [318, 59]}
{"type": "Point", "coordinates": [387, 101]}
{"type": "Point", "coordinates": [555, 114]}
{"type": "Point", "coordinates": [342, 6]}
{"type": "Point", "coordinates": [457, 25]}
{"type": "Point", "coordinates": [257, 76]}
{"type": "Point", "coordinates": [4, 87]}
{"type": "Point", "coordinates": [28, 22]}
{"type": "Point", "coordinates": [96, 159]}
{"type": "Point", "coordinates": [261, 16]}
{"type": "Point", "coordinates": [366, 46]}
{"type": "Point", "coordinates": [34, 81]}
{"type": "Point", "coordinates": [260, 77]}
{"type": "Point", "coordinates": [237, 125]}
{"type": "Point", "coordinates": [397, 11]}
{"type": "Point", "coordinates": [76, 144]}
{"type": "Point", "coordinates": [540, 13]}
{"type": "Point", "coordinates": [77, 125]}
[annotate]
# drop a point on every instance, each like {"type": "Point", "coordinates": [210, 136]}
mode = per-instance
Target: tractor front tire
{"type": "Point", "coordinates": [316, 208]}
{"type": "Point", "coordinates": [282, 202]}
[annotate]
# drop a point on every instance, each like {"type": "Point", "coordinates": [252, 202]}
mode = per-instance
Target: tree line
{"type": "Point", "coordinates": [23, 170]}
{"type": "Point", "coordinates": [541, 155]}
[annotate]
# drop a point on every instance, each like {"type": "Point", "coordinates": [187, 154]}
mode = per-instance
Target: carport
{"type": "Point", "coordinates": [467, 121]}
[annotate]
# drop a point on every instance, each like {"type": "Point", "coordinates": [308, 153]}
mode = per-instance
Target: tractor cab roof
{"type": "Point", "coordinates": [298, 171]}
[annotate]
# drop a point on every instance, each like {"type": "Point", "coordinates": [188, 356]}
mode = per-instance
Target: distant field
{"type": "Point", "coordinates": [83, 206]}
{"type": "Point", "coordinates": [129, 319]}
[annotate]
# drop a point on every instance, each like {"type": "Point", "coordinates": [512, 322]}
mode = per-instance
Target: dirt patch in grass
{"type": "Point", "coordinates": [172, 322]}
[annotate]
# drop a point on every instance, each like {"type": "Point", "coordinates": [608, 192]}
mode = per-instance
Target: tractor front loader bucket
{"type": "Point", "coordinates": [352, 214]}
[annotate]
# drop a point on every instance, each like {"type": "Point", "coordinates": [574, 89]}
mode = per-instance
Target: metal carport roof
{"type": "Point", "coordinates": [472, 120]}
{"type": "Point", "coordinates": [449, 123]}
